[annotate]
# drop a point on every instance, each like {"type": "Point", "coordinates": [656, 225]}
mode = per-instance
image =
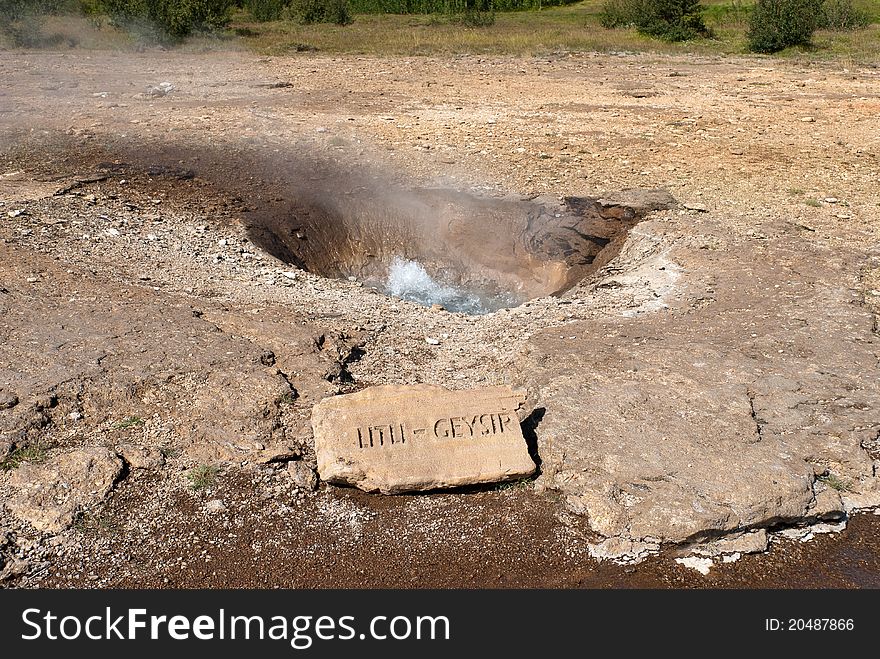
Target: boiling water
{"type": "Point", "coordinates": [409, 280]}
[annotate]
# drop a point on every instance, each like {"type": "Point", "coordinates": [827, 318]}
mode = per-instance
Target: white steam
{"type": "Point", "coordinates": [409, 280]}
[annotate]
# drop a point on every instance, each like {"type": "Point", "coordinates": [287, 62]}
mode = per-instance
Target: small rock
{"type": "Point", "coordinates": [215, 506]}
{"type": "Point", "coordinates": [267, 358]}
{"type": "Point", "coordinates": [141, 457]}
{"type": "Point", "coordinates": [699, 208]}
{"type": "Point", "coordinates": [50, 495]}
{"type": "Point", "coordinates": [32, 280]}
{"type": "Point", "coordinates": [111, 232]}
{"type": "Point", "coordinates": [14, 568]}
{"type": "Point", "coordinates": [432, 342]}
{"type": "Point", "coordinates": [828, 505]}
{"type": "Point", "coordinates": [808, 120]}
{"type": "Point", "coordinates": [289, 275]}
{"type": "Point", "coordinates": [45, 402]}
{"type": "Point", "coordinates": [701, 565]}
{"type": "Point", "coordinates": [162, 89]}
{"type": "Point", "coordinates": [731, 558]}
{"type": "Point", "coordinates": [8, 400]}
{"type": "Point", "coordinates": [75, 416]}
{"type": "Point", "coordinates": [621, 550]}
{"type": "Point", "coordinates": [736, 151]}
{"type": "Point", "coordinates": [831, 200]}
{"type": "Point", "coordinates": [438, 307]}
{"type": "Point", "coordinates": [16, 212]}
{"type": "Point", "coordinates": [303, 476]}
{"type": "Point", "coordinates": [743, 543]}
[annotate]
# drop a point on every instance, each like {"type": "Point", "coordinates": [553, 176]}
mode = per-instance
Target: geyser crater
{"type": "Point", "coordinates": [467, 253]}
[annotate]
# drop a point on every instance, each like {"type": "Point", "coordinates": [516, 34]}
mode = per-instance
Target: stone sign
{"type": "Point", "coordinates": [394, 438]}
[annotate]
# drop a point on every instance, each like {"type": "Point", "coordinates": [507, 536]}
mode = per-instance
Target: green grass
{"type": "Point", "coordinates": [33, 453]}
{"type": "Point", "coordinates": [96, 522]}
{"type": "Point", "coordinates": [835, 482]}
{"type": "Point", "coordinates": [203, 476]}
{"type": "Point", "coordinates": [813, 202]}
{"type": "Point", "coordinates": [521, 484]}
{"type": "Point", "coordinates": [129, 422]}
{"type": "Point", "coordinates": [169, 452]}
{"type": "Point", "coordinates": [569, 28]}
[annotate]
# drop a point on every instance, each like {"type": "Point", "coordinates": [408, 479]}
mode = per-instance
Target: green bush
{"type": "Point", "coordinates": [478, 18]}
{"type": "Point", "coordinates": [620, 13]}
{"type": "Point", "coordinates": [449, 7]}
{"type": "Point", "coordinates": [321, 11]}
{"type": "Point", "coordinates": [671, 20]}
{"type": "Point", "coordinates": [21, 23]}
{"type": "Point", "coordinates": [778, 24]}
{"type": "Point", "coordinates": [842, 15]}
{"type": "Point", "coordinates": [171, 19]}
{"type": "Point", "coordinates": [266, 10]}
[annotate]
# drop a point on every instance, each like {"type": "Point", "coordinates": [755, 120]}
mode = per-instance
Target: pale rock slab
{"type": "Point", "coordinates": [50, 495]}
{"type": "Point", "coordinates": [394, 438]}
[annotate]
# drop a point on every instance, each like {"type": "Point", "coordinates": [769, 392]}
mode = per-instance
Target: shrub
{"type": "Point", "coordinates": [671, 20]}
{"type": "Point", "coordinates": [778, 24]}
{"type": "Point", "coordinates": [841, 15]}
{"type": "Point", "coordinates": [620, 13]}
{"type": "Point", "coordinates": [203, 476]}
{"type": "Point", "coordinates": [476, 18]}
{"type": "Point", "coordinates": [266, 10]}
{"type": "Point", "coordinates": [321, 11]}
{"type": "Point", "coordinates": [173, 19]}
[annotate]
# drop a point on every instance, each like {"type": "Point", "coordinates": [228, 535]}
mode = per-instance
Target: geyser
{"type": "Point", "coordinates": [468, 253]}
{"type": "Point", "coordinates": [409, 280]}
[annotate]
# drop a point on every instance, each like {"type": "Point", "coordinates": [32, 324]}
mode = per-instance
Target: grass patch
{"type": "Point", "coordinates": [89, 521]}
{"type": "Point", "coordinates": [169, 452]}
{"type": "Point", "coordinates": [813, 202]}
{"type": "Point", "coordinates": [835, 482]}
{"type": "Point", "coordinates": [521, 484]}
{"type": "Point", "coordinates": [203, 476]}
{"type": "Point", "coordinates": [569, 28]}
{"type": "Point", "coordinates": [129, 422]}
{"type": "Point", "coordinates": [34, 454]}
{"type": "Point", "coordinates": [287, 398]}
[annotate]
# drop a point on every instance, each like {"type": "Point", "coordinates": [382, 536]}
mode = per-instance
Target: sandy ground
{"type": "Point", "coordinates": [746, 145]}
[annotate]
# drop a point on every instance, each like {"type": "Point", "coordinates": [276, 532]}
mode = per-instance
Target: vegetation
{"type": "Point", "coordinates": [779, 24]}
{"type": "Point", "coordinates": [321, 11]}
{"type": "Point", "coordinates": [266, 10]}
{"type": "Point", "coordinates": [846, 29]}
{"type": "Point", "coordinates": [171, 19]}
{"type": "Point", "coordinates": [129, 422]}
{"type": "Point", "coordinates": [671, 20]}
{"type": "Point", "coordinates": [835, 482]}
{"type": "Point", "coordinates": [32, 453]}
{"type": "Point", "coordinates": [203, 476]}
{"type": "Point", "coordinates": [843, 15]}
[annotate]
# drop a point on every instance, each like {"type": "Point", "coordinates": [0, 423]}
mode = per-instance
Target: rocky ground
{"type": "Point", "coordinates": [717, 380]}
